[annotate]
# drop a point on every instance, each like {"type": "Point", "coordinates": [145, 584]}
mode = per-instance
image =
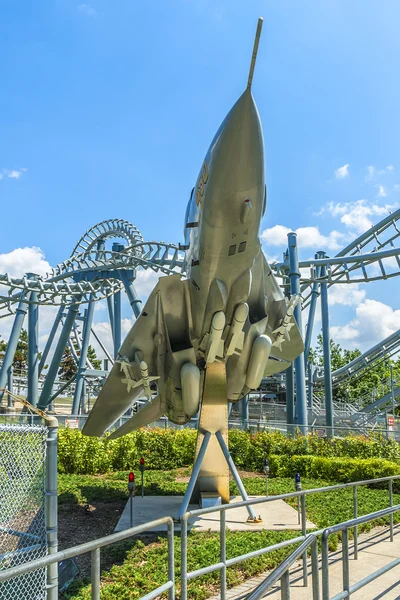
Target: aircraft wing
{"type": "Point", "coordinates": [151, 337]}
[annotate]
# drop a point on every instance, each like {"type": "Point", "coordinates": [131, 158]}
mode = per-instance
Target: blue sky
{"type": "Point", "coordinates": [107, 109]}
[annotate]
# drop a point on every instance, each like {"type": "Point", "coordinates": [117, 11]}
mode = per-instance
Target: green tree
{"type": "Point", "coordinates": [91, 354]}
{"type": "Point", "coordinates": [21, 353]}
{"type": "Point", "coordinates": [375, 378]}
{"type": "Point", "coordinates": [68, 367]}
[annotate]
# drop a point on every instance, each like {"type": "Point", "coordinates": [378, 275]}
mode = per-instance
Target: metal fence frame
{"type": "Point", "coordinates": [94, 548]}
{"type": "Point", "coordinates": [224, 563]}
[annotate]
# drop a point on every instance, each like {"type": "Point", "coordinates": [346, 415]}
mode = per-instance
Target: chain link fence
{"type": "Point", "coordinates": [22, 508]}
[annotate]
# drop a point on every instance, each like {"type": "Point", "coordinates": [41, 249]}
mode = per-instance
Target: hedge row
{"type": "Point", "coordinates": [341, 470]}
{"type": "Point", "coordinates": [169, 449]}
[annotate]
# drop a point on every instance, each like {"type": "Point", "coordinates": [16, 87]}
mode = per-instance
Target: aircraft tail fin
{"type": "Point", "coordinates": [255, 50]}
{"type": "Point", "coordinates": [150, 412]}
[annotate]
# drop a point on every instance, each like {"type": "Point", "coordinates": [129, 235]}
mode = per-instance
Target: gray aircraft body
{"type": "Point", "coordinates": [229, 308]}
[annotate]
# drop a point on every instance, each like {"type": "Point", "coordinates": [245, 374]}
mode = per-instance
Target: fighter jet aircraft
{"type": "Point", "coordinates": [229, 308]}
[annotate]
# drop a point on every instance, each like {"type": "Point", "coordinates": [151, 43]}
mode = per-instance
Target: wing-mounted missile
{"type": "Point", "coordinates": [282, 333]}
{"type": "Point", "coordinates": [214, 345]}
{"type": "Point", "coordinates": [136, 373]}
{"type": "Point", "coordinates": [235, 335]}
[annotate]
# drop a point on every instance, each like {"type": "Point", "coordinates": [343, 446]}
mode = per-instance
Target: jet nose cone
{"type": "Point", "coordinates": [237, 151]}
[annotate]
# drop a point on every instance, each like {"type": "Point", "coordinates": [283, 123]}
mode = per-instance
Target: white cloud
{"type": "Point", "coordinates": [24, 260]}
{"type": "Point", "coordinates": [373, 172]}
{"type": "Point", "coordinates": [342, 172]}
{"type": "Point", "coordinates": [381, 191]}
{"type": "Point", "coordinates": [356, 215]}
{"type": "Point", "coordinates": [145, 282]}
{"type": "Point", "coordinates": [307, 237]}
{"type": "Point", "coordinates": [87, 10]}
{"type": "Point", "coordinates": [1, 176]}
{"type": "Point", "coordinates": [346, 295]}
{"type": "Point", "coordinates": [374, 322]}
{"type": "Point", "coordinates": [14, 174]}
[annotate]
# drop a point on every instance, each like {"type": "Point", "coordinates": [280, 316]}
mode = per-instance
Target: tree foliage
{"type": "Point", "coordinates": [372, 382]}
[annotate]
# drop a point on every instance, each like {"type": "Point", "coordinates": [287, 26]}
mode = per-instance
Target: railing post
{"type": "Point", "coordinates": [52, 506]}
{"type": "Point", "coordinates": [391, 504]}
{"type": "Point", "coordinates": [325, 566]}
{"type": "Point", "coordinates": [184, 532]}
{"type": "Point", "coordinates": [95, 573]}
{"type": "Point", "coordinates": [285, 586]}
{"type": "Point", "coordinates": [304, 532]}
{"type": "Point", "coordinates": [222, 552]}
{"type": "Point", "coordinates": [171, 560]}
{"type": "Point", "coordinates": [314, 570]}
{"type": "Point", "coordinates": [345, 559]}
{"type": "Point", "coordinates": [355, 515]}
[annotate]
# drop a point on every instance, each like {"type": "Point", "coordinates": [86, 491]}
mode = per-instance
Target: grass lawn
{"type": "Point", "coordinates": [141, 564]}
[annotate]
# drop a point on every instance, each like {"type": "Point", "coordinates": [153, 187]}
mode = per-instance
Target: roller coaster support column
{"type": "Point", "coordinates": [33, 348]}
{"type": "Point", "coordinates": [133, 298]}
{"type": "Point", "coordinates": [10, 386]}
{"type": "Point", "coordinates": [45, 396]}
{"type": "Point", "coordinates": [294, 276]}
{"type": "Point", "coordinates": [311, 314]}
{"type": "Point", "coordinates": [82, 359]}
{"type": "Point", "coordinates": [117, 323]}
{"type": "Point", "coordinates": [12, 342]}
{"type": "Point", "coordinates": [50, 339]}
{"type": "Point", "coordinates": [310, 377]}
{"type": "Point", "coordinates": [245, 412]}
{"type": "Point", "coordinates": [290, 399]}
{"type": "Point", "coordinates": [326, 344]}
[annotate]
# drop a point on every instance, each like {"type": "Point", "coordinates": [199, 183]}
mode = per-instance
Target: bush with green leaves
{"type": "Point", "coordinates": [171, 448]}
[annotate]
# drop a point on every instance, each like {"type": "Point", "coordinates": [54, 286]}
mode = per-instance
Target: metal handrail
{"type": "Point", "coordinates": [282, 571]}
{"type": "Point", "coordinates": [344, 528]}
{"type": "Point", "coordinates": [224, 563]}
{"type": "Point", "coordinates": [94, 547]}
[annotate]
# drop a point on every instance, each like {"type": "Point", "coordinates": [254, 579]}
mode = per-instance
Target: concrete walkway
{"type": "Point", "coordinates": [275, 515]}
{"type": "Point", "coordinates": [374, 551]}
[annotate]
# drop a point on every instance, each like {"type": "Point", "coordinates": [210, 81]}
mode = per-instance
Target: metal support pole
{"type": "Point", "coordinates": [310, 384]}
{"type": "Point", "coordinates": [33, 349]}
{"type": "Point", "coordinates": [83, 357]}
{"type": "Point", "coordinates": [117, 323]}
{"type": "Point", "coordinates": [325, 566]}
{"type": "Point", "coordinates": [392, 389]}
{"type": "Point", "coordinates": [285, 586]}
{"type": "Point", "coordinates": [304, 532]}
{"type": "Point", "coordinates": [133, 298]}
{"type": "Point", "coordinates": [50, 339]}
{"type": "Point", "coordinates": [184, 532]}
{"type": "Point", "coordinates": [311, 312]}
{"type": "Point", "coordinates": [244, 405]}
{"type": "Point", "coordinates": [290, 399]}
{"type": "Point", "coordinates": [294, 276]}
{"type": "Point", "coordinates": [345, 559]}
{"type": "Point", "coordinates": [10, 386]}
{"type": "Point", "coordinates": [355, 515]}
{"type": "Point", "coordinates": [110, 306]}
{"type": "Point", "coordinates": [171, 560]}
{"type": "Point", "coordinates": [95, 573]}
{"type": "Point", "coordinates": [326, 341]}
{"type": "Point", "coordinates": [52, 506]}
{"type": "Point", "coordinates": [222, 554]}
{"type": "Point", "coordinates": [57, 356]}
{"type": "Point", "coordinates": [194, 475]}
{"type": "Point", "coordinates": [314, 570]}
{"type": "Point", "coordinates": [391, 504]}
{"type": "Point", "coordinates": [234, 472]}
{"type": "Point", "coordinates": [13, 342]}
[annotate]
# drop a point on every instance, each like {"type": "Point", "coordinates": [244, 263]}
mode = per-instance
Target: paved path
{"type": "Point", "coordinates": [375, 551]}
{"type": "Point", "coordinates": [275, 515]}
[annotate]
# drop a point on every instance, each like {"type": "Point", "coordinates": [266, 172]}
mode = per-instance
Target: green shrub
{"type": "Point", "coordinates": [170, 448]}
{"type": "Point", "coordinates": [340, 470]}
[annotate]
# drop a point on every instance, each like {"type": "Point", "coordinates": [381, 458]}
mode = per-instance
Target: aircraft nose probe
{"type": "Point", "coordinates": [255, 50]}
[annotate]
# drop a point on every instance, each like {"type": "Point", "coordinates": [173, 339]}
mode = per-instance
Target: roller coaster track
{"type": "Point", "coordinates": [89, 274]}
{"type": "Point", "coordinates": [385, 349]}
{"type": "Point", "coordinates": [373, 256]}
